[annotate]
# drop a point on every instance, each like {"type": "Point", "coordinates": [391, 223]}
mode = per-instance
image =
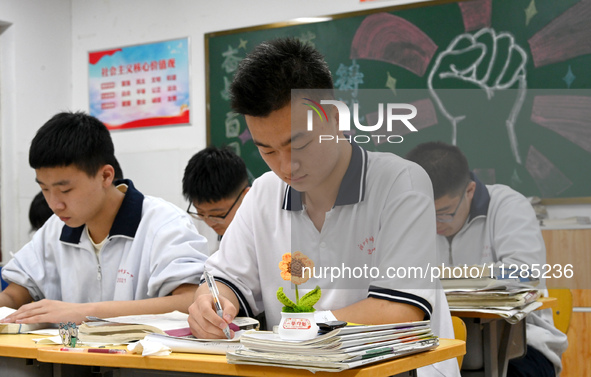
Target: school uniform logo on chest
{"type": "Point", "coordinates": [486, 251]}
{"type": "Point", "coordinates": [367, 245]}
{"type": "Point", "coordinates": [123, 275]}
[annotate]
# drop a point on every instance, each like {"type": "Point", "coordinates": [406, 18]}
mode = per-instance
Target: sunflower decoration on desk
{"type": "Point", "coordinates": [293, 268]}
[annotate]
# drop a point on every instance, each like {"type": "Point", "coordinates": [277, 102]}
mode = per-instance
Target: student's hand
{"type": "Point", "coordinates": [51, 311]}
{"type": "Point", "coordinates": [205, 323]}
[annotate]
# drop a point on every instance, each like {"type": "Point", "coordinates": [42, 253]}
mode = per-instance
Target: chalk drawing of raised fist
{"type": "Point", "coordinates": [491, 66]}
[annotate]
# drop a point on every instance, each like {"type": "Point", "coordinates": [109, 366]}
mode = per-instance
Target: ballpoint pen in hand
{"type": "Point", "coordinates": [216, 299]}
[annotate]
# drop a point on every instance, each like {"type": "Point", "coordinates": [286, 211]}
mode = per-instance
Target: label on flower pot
{"type": "Point", "coordinates": [297, 324]}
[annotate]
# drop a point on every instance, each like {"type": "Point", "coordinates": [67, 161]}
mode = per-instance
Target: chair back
{"type": "Point", "coordinates": [460, 333]}
{"type": "Point", "coordinates": [564, 310]}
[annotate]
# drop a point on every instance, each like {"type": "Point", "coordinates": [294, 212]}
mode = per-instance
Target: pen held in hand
{"type": "Point", "coordinates": [216, 300]}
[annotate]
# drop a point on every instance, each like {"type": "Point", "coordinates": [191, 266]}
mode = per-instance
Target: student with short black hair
{"type": "Point", "coordinates": [335, 203]}
{"type": "Point", "coordinates": [214, 183]}
{"type": "Point", "coordinates": [110, 250]}
{"type": "Point", "coordinates": [478, 224]}
{"type": "Point", "coordinates": [39, 211]}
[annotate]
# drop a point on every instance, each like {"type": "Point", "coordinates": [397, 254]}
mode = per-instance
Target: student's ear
{"type": "Point", "coordinates": [334, 114]}
{"type": "Point", "coordinates": [470, 191]}
{"type": "Point", "coordinates": [108, 175]}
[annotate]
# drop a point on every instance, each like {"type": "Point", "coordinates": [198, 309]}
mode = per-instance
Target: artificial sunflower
{"type": "Point", "coordinates": [292, 268]}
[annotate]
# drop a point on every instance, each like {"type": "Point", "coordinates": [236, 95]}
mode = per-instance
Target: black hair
{"type": "Point", "coordinates": [265, 77]}
{"type": "Point", "coordinates": [72, 139]}
{"type": "Point", "coordinates": [214, 174]}
{"type": "Point", "coordinates": [39, 211]}
{"type": "Point", "coordinates": [445, 164]}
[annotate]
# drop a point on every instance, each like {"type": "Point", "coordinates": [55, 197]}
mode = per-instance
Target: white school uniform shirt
{"type": "Point", "coordinates": [213, 239]}
{"type": "Point", "coordinates": [502, 227]}
{"type": "Point", "coordinates": [152, 248]}
{"type": "Point", "coordinates": [383, 217]}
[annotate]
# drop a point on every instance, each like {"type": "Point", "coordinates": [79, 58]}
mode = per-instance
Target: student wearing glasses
{"type": "Point", "coordinates": [215, 183]}
{"type": "Point", "coordinates": [478, 224]}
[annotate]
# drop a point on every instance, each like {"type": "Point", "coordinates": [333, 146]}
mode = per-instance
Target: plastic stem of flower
{"type": "Point", "coordinates": [297, 295]}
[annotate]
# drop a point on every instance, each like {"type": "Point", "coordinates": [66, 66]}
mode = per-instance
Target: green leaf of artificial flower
{"type": "Point", "coordinates": [310, 298]}
{"type": "Point", "coordinates": [284, 299]}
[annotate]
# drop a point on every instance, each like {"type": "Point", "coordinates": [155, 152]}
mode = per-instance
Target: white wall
{"type": "Point", "coordinates": [35, 83]}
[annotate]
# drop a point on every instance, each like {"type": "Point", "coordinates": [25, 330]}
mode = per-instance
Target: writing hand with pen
{"type": "Point", "coordinates": [209, 320]}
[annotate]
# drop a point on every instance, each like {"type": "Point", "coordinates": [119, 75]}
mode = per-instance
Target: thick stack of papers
{"type": "Point", "coordinates": [504, 293]}
{"type": "Point", "coordinates": [340, 349]}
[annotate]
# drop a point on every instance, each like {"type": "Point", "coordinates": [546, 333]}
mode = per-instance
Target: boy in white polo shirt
{"type": "Point", "coordinates": [108, 250]}
{"type": "Point", "coordinates": [488, 224]}
{"type": "Point", "coordinates": [339, 205]}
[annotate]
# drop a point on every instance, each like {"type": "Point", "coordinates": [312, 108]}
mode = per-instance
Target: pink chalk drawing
{"type": "Point", "coordinates": [388, 38]}
{"type": "Point", "coordinates": [245, 136]}
{"type": "Point", "coordinates": [567, 36]}
{"type": "Point", "coordinates": [426, 117]}
{"type": "Point", "coordinates": [568, 116]}
{"type": "Point", "coordinates": [476, 14]}
{"type": "Point", "coordinates": [546, 175]}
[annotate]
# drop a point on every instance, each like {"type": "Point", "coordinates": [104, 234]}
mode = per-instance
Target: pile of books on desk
{"type": "Point", "coordinates": [337, 350]}
{"type": "Point", "coordinates": [506, 293]}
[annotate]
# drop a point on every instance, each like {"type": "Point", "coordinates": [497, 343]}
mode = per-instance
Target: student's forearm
{"type": "Point", "coordinates": [373, 311]}
{"type": "Point", "coordinates": [180, 299]}
{"type": "Point", "coordinates": [14, 296]}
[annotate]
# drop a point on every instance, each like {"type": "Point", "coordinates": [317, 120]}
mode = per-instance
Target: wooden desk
{"type": "Point", "coordinates": [501, 340]}
{"type": "Point", "coordinates": [216, 364]}
{"type": "Point", "coordinates": [18, 356]}
{"type": "Point", "coordinates": [19, 345]}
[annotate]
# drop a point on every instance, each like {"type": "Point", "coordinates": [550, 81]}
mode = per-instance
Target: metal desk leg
{"type": "Point", "coordinates": [491, 350]}
{"type": "Point", "coordinates": [513, 344]}
{"type": "Point", "coordinates": [502, 342]}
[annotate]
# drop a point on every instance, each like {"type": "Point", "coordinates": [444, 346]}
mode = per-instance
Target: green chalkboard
{"type": "Point", "coordinates": [518, 103]}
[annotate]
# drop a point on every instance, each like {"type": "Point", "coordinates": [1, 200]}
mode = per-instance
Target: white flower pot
{"type": "Point", "coordinates": [297, 326]}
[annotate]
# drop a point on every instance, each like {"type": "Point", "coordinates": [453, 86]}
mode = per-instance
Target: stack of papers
{"type": "Point", "coordinates": [340, 349]}
{"type": "Point", "coordinates": [506, 294]}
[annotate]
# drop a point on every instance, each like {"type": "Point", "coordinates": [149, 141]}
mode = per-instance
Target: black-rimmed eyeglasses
{"type": "Point", "coordinates": [215, 219]}
{"type": "Point", "coordinates": [449, 217]}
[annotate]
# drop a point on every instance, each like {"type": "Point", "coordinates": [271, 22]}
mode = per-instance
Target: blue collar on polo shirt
{"type": "Point", "coordinates": [352, 189]}
{"type": "Point", "coordinates": [480, 200]}
{"type": "Point", "coordinates": [126, 222]}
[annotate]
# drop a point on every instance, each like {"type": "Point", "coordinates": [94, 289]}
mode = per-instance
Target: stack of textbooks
{"type": "Point", "coordinates": [337, 350]}
{"type": "Point", "coordinates": [504, 292]}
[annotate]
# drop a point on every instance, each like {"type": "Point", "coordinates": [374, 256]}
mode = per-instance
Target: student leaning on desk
{"type": "Point", "coordinates": [323, 200]}
{"type": "Point", "coordinates": [479, 224]}
{"type": "Point", "coordinates": [108, 250]}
